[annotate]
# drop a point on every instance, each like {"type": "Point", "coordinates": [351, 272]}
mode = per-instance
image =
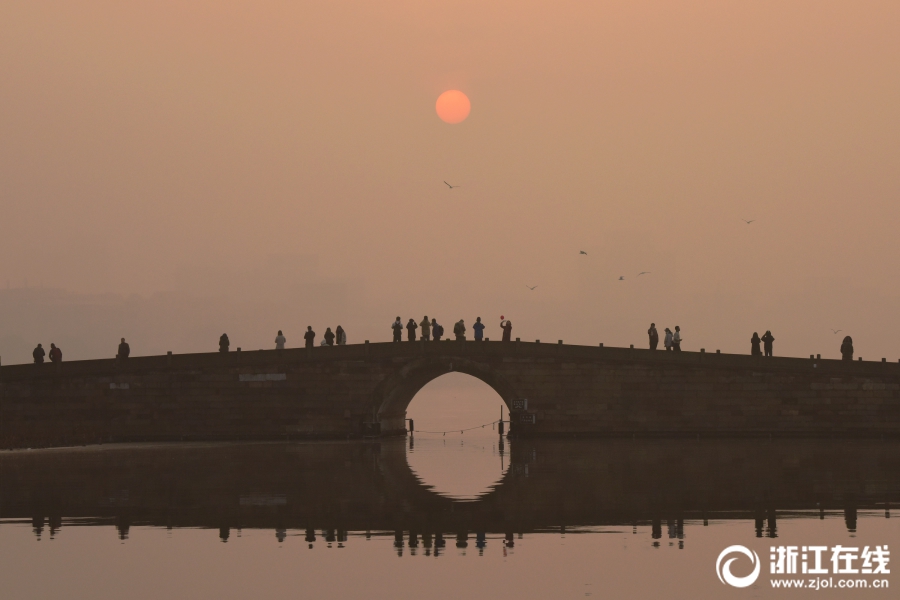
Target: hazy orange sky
{"type": "Point", "coordinates": [172, 170]}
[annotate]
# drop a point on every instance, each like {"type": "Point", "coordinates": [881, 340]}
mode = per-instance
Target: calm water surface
{"type": "Point", "coordinates": [444, 517]}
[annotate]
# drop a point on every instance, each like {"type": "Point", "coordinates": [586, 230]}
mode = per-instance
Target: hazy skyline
{"type": "Point", "coordinates": [249, 167]}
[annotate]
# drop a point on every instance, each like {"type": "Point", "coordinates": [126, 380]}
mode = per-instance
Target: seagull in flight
{"type": "Point", "coordinates": [742, 219]}
{"type": "Point", "coordinates": [643, 273]}
{"type": "Point", "coordinates": [836, 331]}
{"type": "Point", "coordinates": [452, 186]}
{"type": "Point", "coordinates": [621, 278]}
{"type": "Point", "coordinates": [530, 287]}
{"type": "Point", "coordinates": [582, 252]}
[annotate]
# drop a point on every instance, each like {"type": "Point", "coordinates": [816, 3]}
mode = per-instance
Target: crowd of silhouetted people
{"type": "Point", "coordinates": [430, 330]}
{"type": "Point", "coordinates": [671, 342]}
{"type": "Point", "coordinates": [759, 346]}
{"type": "Point", "coordinates": [330, 338]}
{"type": "Point", "coordinates": [55, 354]}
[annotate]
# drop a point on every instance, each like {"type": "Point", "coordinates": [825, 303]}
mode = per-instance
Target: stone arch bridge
{"type": "Point", "coordinates": [364, 389]}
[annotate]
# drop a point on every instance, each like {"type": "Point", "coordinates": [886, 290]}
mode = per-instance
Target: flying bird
{"type": "Point", "coordinates": [742, 219]}
{"type": "Point", "coordinates": [643, 273]}
{"type": "Point", "coordinates": [530, 287]}
{"type": "Point", "coordinates": [452, 186]}
{"type": "Point", "coordinates": [836, 331]}
{"type": "Point", "coordinates": [582, 252]}
{"type": "Point", "coordinates": [621, 278]}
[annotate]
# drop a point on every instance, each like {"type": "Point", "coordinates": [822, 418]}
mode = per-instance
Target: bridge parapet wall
{"type": "Point", "coordinates": [349, 391]}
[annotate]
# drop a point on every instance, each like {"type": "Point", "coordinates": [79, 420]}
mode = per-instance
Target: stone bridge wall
{"type": "Point", "coordinates": [349, 391]}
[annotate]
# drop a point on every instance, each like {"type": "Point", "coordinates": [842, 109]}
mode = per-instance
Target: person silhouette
{"type": "Point", "coordinates": [124, 349]}
{"type": "Point", "coordinates": [676, 339]}
{"type": "Point", "coordinates": [310, 337]}
{"type": "Point", "coordinates": [38, 355]}
{"type": "Point", "coordinates": [847, 348]}
{"type": "Point", "coordinates": [397, 326]}
{"type": "Point", "coordinates": [436, 330]}
{"type": "Point", "coordinates": [341, 336]}
{"type": "Point", "coordinates": [754, 345]}
{"type": "Point", "coordinates": [653, 334]}
{"type": "Point", "coordinates": [411, 327]}
{"type": "Point", "coordinates": [426, 329]}
{"type": "Point", "coordinates": [459, 330]}
{"type": "Point", "coordinates": [767, 342]}
{"type": "Point", "coordinates": [224, 343]}
{"type": "Point", "coordinates": [55, 354]}
{"type": "Point", "coordinates": [329, 337]}
{"type": "Point", "coordinates": [280, 341]}
{"type": "Point", "coordinates": [668, 341]}
{"type": "Point", "coordinates": [478, 328]}
{"type": "Point", "coordinates": [506, 326]}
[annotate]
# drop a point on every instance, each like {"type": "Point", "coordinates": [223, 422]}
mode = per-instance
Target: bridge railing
{"type": "Point", "coordinates": [505, 351]}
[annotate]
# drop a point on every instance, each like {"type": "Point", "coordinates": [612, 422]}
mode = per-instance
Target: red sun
{"type": "Point", "coordinates": [453, 106]}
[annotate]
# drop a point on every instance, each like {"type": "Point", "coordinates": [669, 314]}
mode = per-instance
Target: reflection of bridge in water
{"type": "Point", "coordinates": [359, 486]}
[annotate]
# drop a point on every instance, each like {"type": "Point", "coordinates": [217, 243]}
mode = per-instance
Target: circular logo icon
{"type": "Point", "coordinates": [724, 570]}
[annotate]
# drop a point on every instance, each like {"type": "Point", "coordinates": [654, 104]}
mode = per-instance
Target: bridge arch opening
{"type": "Point", "coordinates": [456, 403]}
{"type": "Point", "coordinates": [394, 395]}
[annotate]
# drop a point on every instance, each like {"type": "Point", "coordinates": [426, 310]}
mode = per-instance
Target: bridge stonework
{"type": "Point", "coordinates": [364, 389]}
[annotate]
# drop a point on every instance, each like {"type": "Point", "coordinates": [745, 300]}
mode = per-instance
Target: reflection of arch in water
{"type": "Point", "coordinates": [419, 509]}
{"type": "Point", "coordinates": [464, 470]}
{"type": "Point", "coordinates": [393, 395]}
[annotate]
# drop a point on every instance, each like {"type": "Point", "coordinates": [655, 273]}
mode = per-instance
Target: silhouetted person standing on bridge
{"type": "Point", "coordinates": [280, 341]}
{"type": "Point", "coordinates": [38, 355]}
{"type": "Point", "coordinates": [329, 337]}
{"type": "Point", "coordinates": [676, 339]}
{"type": "Point", "coordinates": [478, 328]}
{"type": "Point", "coordinates": [436, 330]}
{"type": "Point", "coordinates": [124, 350]}
{"type": "Point", "coordinates": [667, 342]}
{"type": "Point", "coordinates": [341, 336]}
{"type": "Point", "coordinates": [55, 354]}
{"type": "Point", "coordinates": [426, 329]}
{"type": "Point", "coordinates": [411, 330]}
{"type": "Point", "coordinates": [310, 337]}
{"type": "Point", "coordinates": [654, 336]}
{"type": "Point", "coordinates": [459, 330]}
{"type": "Point", "coordinates": [224, 342]}
{"type": "Point", "coordinates": [847, 348]}
{"type": "Point", "coordinates": [754, 345]}
{"type": "Point", "coordinates": [397, 326]}
{"type": "Point", "coordinates": [506, 326]}
{"type": "Point", "coordinates": [767, 342]}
